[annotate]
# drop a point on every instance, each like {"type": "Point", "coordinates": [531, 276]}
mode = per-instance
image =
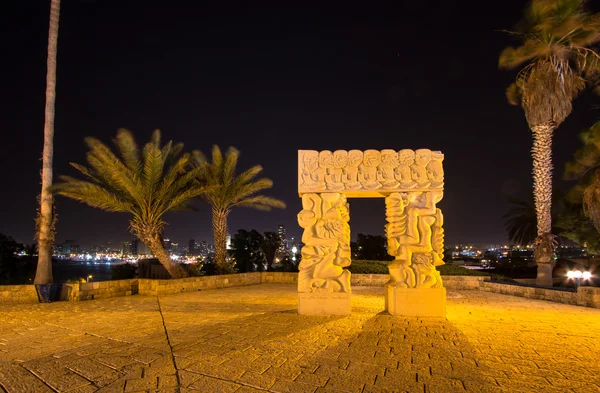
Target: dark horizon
{"type": "Point", "coordinates": [271, 81]}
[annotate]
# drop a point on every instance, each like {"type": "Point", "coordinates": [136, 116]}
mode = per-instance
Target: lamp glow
{"type": "Point", "coordinates": [586, 275]}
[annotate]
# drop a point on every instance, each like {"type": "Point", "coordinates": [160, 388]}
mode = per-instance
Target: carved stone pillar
{"type": "Point", "coordinates": [416, 241]}
{"type": "Point", "coordinates": [323, 283]}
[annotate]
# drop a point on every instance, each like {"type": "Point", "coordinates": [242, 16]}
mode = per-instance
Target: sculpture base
{"type": "Point", "coordinates": [415, 302]}
{"type": "Point", "coordinates": [544, 275]}
{"type": "Point", "coordinates": [324, 303]}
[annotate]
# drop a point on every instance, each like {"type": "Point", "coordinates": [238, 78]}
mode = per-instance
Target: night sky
{"type": "Point", "coordinates": [269, 81]}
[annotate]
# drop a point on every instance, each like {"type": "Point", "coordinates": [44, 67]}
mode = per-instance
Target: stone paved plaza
{"type": "Point", "coordinates": [250, 339]}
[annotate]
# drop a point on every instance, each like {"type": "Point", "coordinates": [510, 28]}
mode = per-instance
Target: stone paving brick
{"type": "Point", "coordinates": [256, 380]}
{"type": "Point", "coordinates": [288, 386]}
{"type": "Point", "coordinates": [312, 379]}
{"type": "Point", "coordinates": [14, 378]}
{"type": "Point", "coordinates": [213, 385]}
{"type": "Point", "coordinates": [135, 385]}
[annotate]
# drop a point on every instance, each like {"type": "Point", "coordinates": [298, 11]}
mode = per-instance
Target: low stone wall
{"type": "Point", "coordinates": [378, 280]}
{"type": "Point", "coordinates": [279, 278]}
{"type": "Point", "coordinates": [588, 297]}
{"type": "Point", "coordinates": [584, 296]}
{"type": "Point", "coordinates": [464, 282]}
{"type": "Point", "coordinates": [104, 289]}
{"type": "Point", "coordinates": [162, 287]}
{"type": "Point", "coordinates": [18, 294]}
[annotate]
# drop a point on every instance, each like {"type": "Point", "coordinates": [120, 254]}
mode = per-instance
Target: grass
{"type": "Point", "coordinates": [380, 267]}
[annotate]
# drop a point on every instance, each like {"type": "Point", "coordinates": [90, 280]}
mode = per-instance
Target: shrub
{"type": "Point", "coordinates": [380, 267]}
{"type": "Point", "coordinates": [195, 269]}
{"type": "Point", "coordinates": [369, 267]}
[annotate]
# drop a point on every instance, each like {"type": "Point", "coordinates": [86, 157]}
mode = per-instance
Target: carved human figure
{"type": "Point", "coordinates": [367, 171]}
{"type": "Point", "coordinates": [326, 241]}
{"type": "Point", "coordinates": [435, 170]}
{"type": "Point", "coordinates": [403, 172]}
{"type": "Point", "coordinates": [401, 274]}
{"type": "Point", "coordinates": [426, 275]}
{"type": "Point", "coordinates": [334, 177]}
{"type": "Point", "coordinates": [414, 227]}
{"type": "Point", "coordinates": [385, 171]}
{"type": "Point", "coordinates": [325, 164]}
{"type": "Point", "coordinates": [310, 171]}
{"type": "Point", "coordinates": [419, 168]}
{"type": "Point", "coordinates": [350, 172]}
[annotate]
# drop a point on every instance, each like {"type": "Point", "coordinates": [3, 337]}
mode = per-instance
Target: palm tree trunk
{"type": "Point", "coordinates": [542, 194]}
{"type": "Point", "coordinates": [45, 225]}
{"type": "Point", "coordinates": [542, 176]}
{"type": "Point", "coordinates": [220, 238]}
{"type": "Point", "coordinates": [156, 246]}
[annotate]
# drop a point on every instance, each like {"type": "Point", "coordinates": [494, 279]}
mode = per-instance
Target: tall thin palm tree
{"type": "Point", "coordinates": [558, 59]}
{"type": "Point", "coordinates": [46, 218]}
{"type": "Point", "coordinates": [229, 191]}
{"type": "Point", "coordinates": [146, 184]}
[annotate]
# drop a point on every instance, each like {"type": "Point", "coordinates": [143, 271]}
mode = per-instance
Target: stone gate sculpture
{"type": "Point", "coordinates": [412, 184]}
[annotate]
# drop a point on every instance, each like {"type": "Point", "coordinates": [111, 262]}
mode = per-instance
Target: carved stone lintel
{"type": "Point", "coordinates": [371, 173]}
{"type": "Point", "coordinates": [326, 239]}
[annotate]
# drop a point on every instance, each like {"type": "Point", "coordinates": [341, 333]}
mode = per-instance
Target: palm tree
{"type": "Point", "coordinates": [46, 218]}
{"type": "Point", "coordinates": [555, 50]}
{"type": "Point", "coordinates": [146, 183]}
{"type": "Point", "coordinates": [231, 191]}
{"type": "Point", "coordinates": [586, 168]}
{"type": "Point", "coordinates": [521, 221]}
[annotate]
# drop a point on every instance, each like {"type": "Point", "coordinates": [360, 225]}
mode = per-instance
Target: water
{"type": "Point", "coordinates": [65, 270]}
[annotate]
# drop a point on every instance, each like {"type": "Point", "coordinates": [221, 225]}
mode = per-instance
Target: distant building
{"type": "Point", "coordinates": [143, 250]}
{"type": "Point", "coordinates": [67, 248]}
{"type": "Point", "coordinates": [228, 242]}
{"type": "Point", "coordinates": [283, 246]}
{"type": "Point", "coordinates": [168, 245]}
{"type": "Point", "coordinates": [203, 249]}
{"type": "Point", "coordinates": [192, 247]}
{"type": "Point", "coordinates": [130, 247]}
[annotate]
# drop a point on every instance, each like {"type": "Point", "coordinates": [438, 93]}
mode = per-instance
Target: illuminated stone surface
{"type": "Point", "coordinates": [251, 339]}
{"type": "Point", "coordinates": [369, 173]}
{"type": "Point", "coordinates": [416, 302]}
{"type": "Point", "coordinates": [412, 184]}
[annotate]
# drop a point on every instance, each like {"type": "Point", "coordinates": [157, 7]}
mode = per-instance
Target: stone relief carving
{"type": "Point", "coordinates": [355, 158]}
{"type": "Point", "coordinates": [415, 238]}
{"type": "Point", "coordinates": [385, 173]}
{"type": "Point", "coordinates": [367, 171]}
{"type": "Point", "coordinates": [371, 171]}
{"type": "Point", "coordinates": [326, 241]}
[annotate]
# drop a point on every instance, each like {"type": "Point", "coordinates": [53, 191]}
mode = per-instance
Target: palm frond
{"type": "Point", "coordinates": [231, 158]}
{"type": "Point", "coordinates": [92, 195]}
{"type": "Point", "coordinates": [558, 62]}
{"type": "Point", "coordinates": [128, 149]}
{"type": "Point", "coordinates": [261, 203]}
{"type": "Point", "coordinates": [249, 189]}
